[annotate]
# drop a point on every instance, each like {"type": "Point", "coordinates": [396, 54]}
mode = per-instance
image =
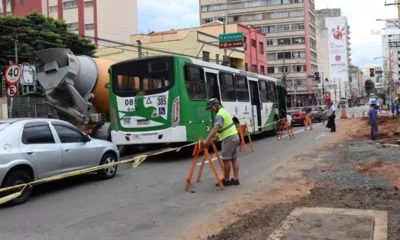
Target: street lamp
{"type": "Point", "coordinates": [385, 20]}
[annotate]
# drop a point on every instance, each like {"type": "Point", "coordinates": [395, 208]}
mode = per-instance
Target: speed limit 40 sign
{"type": "Point", "coordinates": [11, 91]}
{"type": "Point", "coordinates": [13, 74]}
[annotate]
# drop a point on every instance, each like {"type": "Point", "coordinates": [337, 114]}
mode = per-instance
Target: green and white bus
{"type": "Point", "coordinates": [162, 100]}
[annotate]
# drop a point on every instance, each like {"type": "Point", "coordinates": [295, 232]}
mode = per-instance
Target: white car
{"type": "Point", "coordinates": [33, 149]}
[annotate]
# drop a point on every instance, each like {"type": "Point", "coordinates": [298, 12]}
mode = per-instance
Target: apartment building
{"type": "Point", "coordinates": [290, 31]}
{"type": "Point", "coordinates": [94, 18]}
{"type": "Point", "coordinates": [391, 70]}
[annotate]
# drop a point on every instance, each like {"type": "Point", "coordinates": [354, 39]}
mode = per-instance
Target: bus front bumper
{"type": "Point", "coordinates": [170, 135]}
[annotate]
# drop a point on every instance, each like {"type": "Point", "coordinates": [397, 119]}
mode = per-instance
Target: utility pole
{"type": "Point", "coordinates": [16, 61]}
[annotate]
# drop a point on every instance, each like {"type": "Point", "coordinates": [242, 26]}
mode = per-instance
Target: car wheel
{"type": "Point", "coordinates": [109, 172]}
{"type": "Point", "coordinates": [17, 177]}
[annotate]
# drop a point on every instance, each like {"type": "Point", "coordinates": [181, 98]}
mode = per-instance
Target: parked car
{"type": "Point", "coordinates": [33, 149]}
{"type": "Point", "coordinates": [298, 115]}
{"type": "Point", "coordinates": [317, 113]}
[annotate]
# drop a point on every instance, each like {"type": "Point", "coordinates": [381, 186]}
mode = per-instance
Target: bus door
{"type": "Point", "coordinates": [256, 104]}
{"type": "Point", "coordinates": [212, 90]}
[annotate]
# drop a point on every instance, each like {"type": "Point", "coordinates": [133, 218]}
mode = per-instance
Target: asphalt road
{"type": "Point", "coordinates": [148, 202]}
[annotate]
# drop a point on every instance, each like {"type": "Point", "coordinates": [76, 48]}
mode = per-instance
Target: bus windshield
{"type": "Point", "coordinates": [154, 75]}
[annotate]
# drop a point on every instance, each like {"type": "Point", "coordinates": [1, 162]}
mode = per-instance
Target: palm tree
{"type": "Point", "coordinates": [11, 2]}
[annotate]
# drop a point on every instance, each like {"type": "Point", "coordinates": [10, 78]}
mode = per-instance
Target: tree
{"type": "Point", "coordinates": [369, 86]}
{"type": "Point", "coordinates": [36, 32]}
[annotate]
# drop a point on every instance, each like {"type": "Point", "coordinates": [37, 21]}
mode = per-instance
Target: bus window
{"type": "Point", "coordinates": [242, 88]}
{"type": "Point", "coordinates": [152, 76]}
{"type": "Point", "coordinates": [263, 91]}
{"type": "Point", "coordinates": [212, 85]}
{"type": "Point", "coordinates": [226, 83]}
{"type": "Point", "coordinates": [271, 92]}
{"type": "Point", "coordinates": [195, 84]}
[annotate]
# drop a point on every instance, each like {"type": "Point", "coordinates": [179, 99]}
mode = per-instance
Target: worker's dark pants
{"type": "Point", "coordinates": [374, 131]}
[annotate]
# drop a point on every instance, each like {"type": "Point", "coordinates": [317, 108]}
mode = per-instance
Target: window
{"type": "Point", "coordinates": [271, 56]}
{"type": "Point", "coordinates": [73, 27]}
{"type": "Point", "coordinates": [296, 13]}
{"type": "Point", "coordinates": [89, 4]}
{"type": "Point", "coordinates": [212, 84]}
{"type": "Point", "coordinates": [254, 68]}
{"type": "Point", "coordinates": [152, 76]}
{"type": "Point", "coordinates": [53, 9]}
{"type": "Point", "coordinates": [227, 86]}
{"type": "Point", "coordinates": [261, 47]}
{"type": "Point", "coordinates": [299, 54]}
{"type": "Point", "coordinates": [297, 26]}
{"type": "Point", "coordinates": [206, 56]}
{"type": "Point", "coordinates": [37, 133]}
{"type": "Point", "coordinates": [262, 70]}
{"type": "Point", "coordinates": [268, 29]}
{"type": "Point", "coordinates": [22, 2]}
{"type": "Point", "coordinates": [298, 68]}
{"type": "Point", "coordinates": [89, 26]}
{"type": "Point", "coordinates": [271, 42]}
{"type": "Point", "coordinates": [246, 67]}
{"type": "Point", "coordinates": [284, 55]}
{"type": "Point", "coordinates": [271, 92]}
{"type": "Point", "coordinates": [263, 91]}
{"type": "Point", "coordinates": [70, 4]}
{"type": "Point", "coordinates": [253, 17]}
{"type": "Point", "coordinates": [271, 69]}
{"type": "Point", "coordinates": [242, 89]}
{"type": "Point", "coordinates": [284, 41]}
{"type": "Point", "coordinates": [298, 40]}
{"type": "Point", "coordinates": [312, 31]}
{"type": "Point", "coordinates": [281, 14]}
{"type": "Point", "coordinates": [195, 84]}
{"type": "Point", "coordinates": [313, 44]}
{"type": "Point", "coordinates": [253, 43]}
{"type": "Point", "coordinates": [68, 134]}
{"type": "Point", "coordinates": [283, 28]}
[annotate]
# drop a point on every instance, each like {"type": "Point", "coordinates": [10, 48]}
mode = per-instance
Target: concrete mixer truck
{"type": "Point", "coordinates": [76, 89]}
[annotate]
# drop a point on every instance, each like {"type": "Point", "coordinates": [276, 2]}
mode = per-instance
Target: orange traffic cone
{"type": "Point", "coordinates": [344, 116]}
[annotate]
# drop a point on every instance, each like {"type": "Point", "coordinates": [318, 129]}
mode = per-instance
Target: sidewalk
{"type": "Point", "coordinates": [353, 195]}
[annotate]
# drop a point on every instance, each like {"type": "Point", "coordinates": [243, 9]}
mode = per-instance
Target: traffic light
{"type": "Point", "coordinates": [317, 76]}
{"type": "Point", "coordinates": [372, 72]}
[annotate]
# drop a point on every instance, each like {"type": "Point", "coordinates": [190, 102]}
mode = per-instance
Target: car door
{"type": "Point", "coordinates": [77, 152]}
{"type": "Point", "coordinates": [38, 146]}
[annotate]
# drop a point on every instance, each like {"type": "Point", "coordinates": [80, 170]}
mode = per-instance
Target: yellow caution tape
{"type": "Point", "coordinates": [136, 161]}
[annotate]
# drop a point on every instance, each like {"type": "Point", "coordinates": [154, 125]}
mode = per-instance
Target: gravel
{"type": "Point", "coordinates": [344, 174]}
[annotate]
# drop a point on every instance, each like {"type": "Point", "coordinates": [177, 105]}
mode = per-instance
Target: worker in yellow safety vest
{"type": "Point", "coordinates": [225, 128]}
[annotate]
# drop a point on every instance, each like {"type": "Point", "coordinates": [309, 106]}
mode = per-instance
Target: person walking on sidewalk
{"type": "Point", "coordinates": [331, 117]}
{"type": "Point", "coordinates": [308, 120]}
{"type": "Point", "coordinates": [393, 108]}
{"type": "Point", "coordinates": [227, 133]}
{"type": "Point", "coordinates": [373, 119]}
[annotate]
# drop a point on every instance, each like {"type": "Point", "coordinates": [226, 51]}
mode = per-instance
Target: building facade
{"type": "Point", "coordinates": [290, 31]}
{"type": "Point", "coordinates": [189, 42]}
{"type": "Point", "coordinates": [93, 18]}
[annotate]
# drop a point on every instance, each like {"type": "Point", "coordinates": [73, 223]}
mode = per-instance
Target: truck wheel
{"type": "Point", "coordinates": [110, 172]}
{"type": "Point", "coordinates": [17, 177]}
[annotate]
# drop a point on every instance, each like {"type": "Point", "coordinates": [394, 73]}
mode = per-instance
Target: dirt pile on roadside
{"type": "Point", "coordinates": [359, 128]}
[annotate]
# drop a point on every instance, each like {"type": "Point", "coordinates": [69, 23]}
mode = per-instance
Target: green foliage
{"type": "Point", "coordinates": [36, 32]}
{"type": "Point", "coordinates": [369, 86]}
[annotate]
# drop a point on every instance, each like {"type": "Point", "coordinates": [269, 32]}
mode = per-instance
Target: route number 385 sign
{"type": "Point", "coordinates": [13, 74]}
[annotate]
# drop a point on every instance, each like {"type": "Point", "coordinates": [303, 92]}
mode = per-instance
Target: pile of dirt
{"type": "Point", "coordinates": [388, 126]}
{"type": "Point", "coordinates": [385, 170]}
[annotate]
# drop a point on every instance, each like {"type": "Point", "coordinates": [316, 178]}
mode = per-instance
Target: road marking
{"type": "Point", "coordinates": [321, 135]}
{"type": "Point", "coordinates": [206, 161]}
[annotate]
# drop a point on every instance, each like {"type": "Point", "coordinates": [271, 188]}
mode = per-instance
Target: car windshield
{"type": "Point", "coordinates": [3, 125]}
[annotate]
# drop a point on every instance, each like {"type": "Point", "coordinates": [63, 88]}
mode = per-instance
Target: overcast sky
{"type": "Point", "coordinates": [159, 15]}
